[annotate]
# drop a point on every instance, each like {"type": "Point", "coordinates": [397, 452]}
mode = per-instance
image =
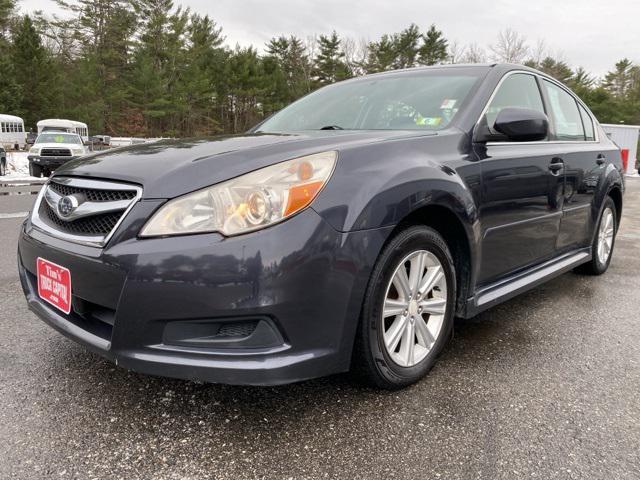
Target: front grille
{"type": "Point", "coordinates": [96, 225]}
{"type": "Point", "coordinates": [98, 208]}
{"type": "Point", "coordinates": [55, 152]}
{"type": "Point", "coordinates": [93, 195]}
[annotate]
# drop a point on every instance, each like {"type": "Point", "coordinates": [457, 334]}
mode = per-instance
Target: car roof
{"type": "Point", "coordinates": [479, 67]}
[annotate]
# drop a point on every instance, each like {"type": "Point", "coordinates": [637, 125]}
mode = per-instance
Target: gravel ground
{"type": "Point", "coordinates": [545, 386]}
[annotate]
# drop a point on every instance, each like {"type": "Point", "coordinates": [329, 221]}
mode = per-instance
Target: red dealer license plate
{"type": "Point", "coordinates": [54, 285]}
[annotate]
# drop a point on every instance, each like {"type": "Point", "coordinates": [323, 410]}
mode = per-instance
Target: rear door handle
{"type": "Point", "coordinates": [556, 165]}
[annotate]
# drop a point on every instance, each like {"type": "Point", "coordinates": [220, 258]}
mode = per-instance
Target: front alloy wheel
{"type": "Point", "coordinates": [414, 308]}
{"type": "Point", "coordinates": [407, 315]}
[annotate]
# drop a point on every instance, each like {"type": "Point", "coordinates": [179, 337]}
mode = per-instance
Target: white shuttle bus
{"type": "Point", "coordinates": [61, 125]}
{"type": "Point", "coordinates": [12, 134]}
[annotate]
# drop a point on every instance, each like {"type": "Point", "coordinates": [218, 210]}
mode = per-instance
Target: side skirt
{"type": "Point", "coordinates": [514, 285]}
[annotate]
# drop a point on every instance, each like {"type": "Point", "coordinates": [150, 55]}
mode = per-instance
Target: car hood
{"type": "Point", "coordinates": [170, 168]}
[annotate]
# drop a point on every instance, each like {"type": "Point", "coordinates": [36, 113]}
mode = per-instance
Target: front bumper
{"type": "Point", "coordinates": [158, 300]}
{"type": "Point", "coordinates": [50, 161]}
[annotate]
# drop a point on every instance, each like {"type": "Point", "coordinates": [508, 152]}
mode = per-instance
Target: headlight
{"type": "Point", "coordinates": [246, 203]}
{"type": "Point", "coordinates": [35, 151]}
{"type": "Point", "coordinates": [77, 151]}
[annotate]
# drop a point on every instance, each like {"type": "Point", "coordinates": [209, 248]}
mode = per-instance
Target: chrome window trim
{"type": "Point", "coordinates": [541, 142]}
{"type": "Point", "coordinates": [91, 241]}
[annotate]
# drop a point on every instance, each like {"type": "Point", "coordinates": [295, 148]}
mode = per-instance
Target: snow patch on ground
{"type": "Point", "coordinates": [18, 168]}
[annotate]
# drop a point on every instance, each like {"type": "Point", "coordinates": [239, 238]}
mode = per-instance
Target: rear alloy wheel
{"type": "Point", "coordinates": [408, 312]}
{"type": "Point", "coordinates": [605, 236]}
{"type": "Point", "coordinates": [603, 242]}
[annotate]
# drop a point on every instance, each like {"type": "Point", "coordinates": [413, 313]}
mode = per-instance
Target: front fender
{"type": "Point", "coordinates": [378, 186]}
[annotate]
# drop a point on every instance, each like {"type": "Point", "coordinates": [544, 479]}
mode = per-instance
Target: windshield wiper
{"type": "Point", "coordinates": [332, 127]}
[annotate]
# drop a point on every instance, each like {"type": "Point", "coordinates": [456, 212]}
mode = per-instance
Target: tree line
{"type": "Point", "coordinates": [152, 68]}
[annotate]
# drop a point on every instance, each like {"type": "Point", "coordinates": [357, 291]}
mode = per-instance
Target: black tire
{"type": "Point", "coordinates": [35, 170]}
{"type": "Point", "coordinates": [596, 266]}
{"type": "Point", "coordinates": [371, 361]}
{"type": "Point", "coordinates": [3, 167]}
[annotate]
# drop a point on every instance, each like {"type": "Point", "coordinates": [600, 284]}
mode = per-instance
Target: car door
{"type": "Point", "coordinates": [573, 130]}
{"type": "Point", "coordinates": [522, 184]}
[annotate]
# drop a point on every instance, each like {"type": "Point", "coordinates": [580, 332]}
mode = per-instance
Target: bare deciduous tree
{"type": "Point", "coordinates": [474, 53]}
{"type": "Point", "coordinates": [511, 47]}
{"type": "Point", "coordinates": [456, 52]}
{"type": "Point", "coordinates": [539, 52]}
{"type": "Point", "coordinates": [355, 54]}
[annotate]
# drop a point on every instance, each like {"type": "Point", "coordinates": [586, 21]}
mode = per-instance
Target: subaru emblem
{"type": "Point", "coordinates": [67, 205]}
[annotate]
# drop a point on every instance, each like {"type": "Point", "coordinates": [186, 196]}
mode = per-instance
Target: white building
{"type": "Point", "coordinates": [12, 134]}
{"type": "Point", "coordinates": [625, 136]}
{"type": "Point", "coordinates": [70, 126]}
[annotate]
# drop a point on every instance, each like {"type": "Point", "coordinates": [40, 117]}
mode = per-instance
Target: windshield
{"type": "Point", "coordinates": [423, 100]}
{"type": "Point", "coordinates": [58, 138]}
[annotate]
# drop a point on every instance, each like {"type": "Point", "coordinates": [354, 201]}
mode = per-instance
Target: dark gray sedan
{"type": "Point", "coordinates": [346, 231]}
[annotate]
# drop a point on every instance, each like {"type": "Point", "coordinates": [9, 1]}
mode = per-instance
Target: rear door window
{"type": "Point", "coordinates": [587, 121]}
{"type": "Point", "coordinates": [565, 113]}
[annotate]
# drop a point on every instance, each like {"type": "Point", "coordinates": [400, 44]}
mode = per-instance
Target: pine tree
{"type": "Point", "coordinates": [102, 30]}
{"type": "Point", "coordinates": [158, 68]}
{"type": "Point", "coordinates": [199, 85]}
{"type": "Point", "coordinates": [434, 47]}
{"type": "Point", "coordinates": [246, 87]}
{"type": "Point", "coordinates": [555, 68]}
{"type": "Point", "coordinates": [289, 71]}
{"type": "Point", "coordinates": [330, 66]}
{"type": "Point", "coordinates": [406, 45]}
{"type": "Point", "coordinates": [620, 80]}
{"type": "Point", "coordinates": [581, 83]}
{"type": "Point", "coordinates": [35, 71]}
{"type": "Point", "coordinates": [10, 89]}
{"type": "Point", "coordinates": [382, 55]}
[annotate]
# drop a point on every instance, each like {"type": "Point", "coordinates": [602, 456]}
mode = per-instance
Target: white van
{"type": "Point", "coordinates": [12, 134]}
{"type": "Point", "coordinates": [62, 125]}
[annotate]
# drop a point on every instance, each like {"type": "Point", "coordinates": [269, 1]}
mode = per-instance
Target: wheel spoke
{"type": "Point", "coordinates": [424, 335]}
{"type": "Point", "coordinates": [394, 334]}
{"type": "Point", "coordinates": [415, 273]}
{"type": "Point", "coordinates": [393, 307]}
{"type": "Point", "coordinates": [408, 344]}
{"type": "Point", "coordinates": [433, 276]}
{"type": "Point", "coordinates": [401, 282]}
{"type": "Point", "coordinates": [434, 306]}
{"type": "Point", "coordinates": [609, 222]}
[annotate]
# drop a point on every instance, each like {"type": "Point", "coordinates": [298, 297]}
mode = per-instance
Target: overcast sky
{"type": "Point", "coordinates": [589, 33]}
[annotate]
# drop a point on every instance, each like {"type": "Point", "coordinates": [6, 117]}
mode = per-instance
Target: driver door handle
{"type": "Point", "coordinates": [556, 166]}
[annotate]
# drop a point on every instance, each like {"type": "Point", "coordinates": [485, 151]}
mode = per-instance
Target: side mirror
{"type": "Point", "coordinates": [522, 124]}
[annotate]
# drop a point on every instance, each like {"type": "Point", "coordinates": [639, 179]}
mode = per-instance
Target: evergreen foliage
{"type": "Point", "coordinates": [152, 68]}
